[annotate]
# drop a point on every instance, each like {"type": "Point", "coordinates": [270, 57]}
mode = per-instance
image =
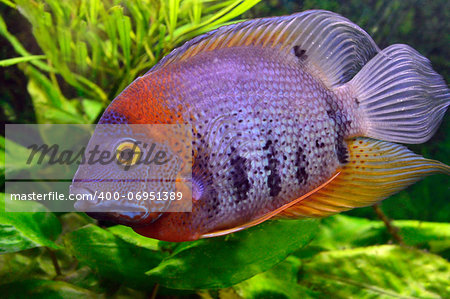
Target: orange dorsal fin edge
{"type": "Point", "coordinates": [313, 34]}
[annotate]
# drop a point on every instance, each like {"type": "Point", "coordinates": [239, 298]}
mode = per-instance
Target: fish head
{"type": "Point", "coordinates": [130, 161]}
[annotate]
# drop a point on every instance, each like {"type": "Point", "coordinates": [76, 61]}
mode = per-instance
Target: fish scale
{"type": "Point", "coordinates": [292, 116]}
{"type": "Point", "coordinates": [288, 108]}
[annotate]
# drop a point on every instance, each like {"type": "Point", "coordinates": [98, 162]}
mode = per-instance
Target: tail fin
{"type": "Point", "coordinates": [401, 97]}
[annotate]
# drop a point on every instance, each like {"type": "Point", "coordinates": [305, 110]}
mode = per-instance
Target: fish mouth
{"type": "Point", "coordinates": [86, 200]}
{"type": "Point", "coordinates": [133, 219]}
{"type": "Point", "coordinates": [113, 211]}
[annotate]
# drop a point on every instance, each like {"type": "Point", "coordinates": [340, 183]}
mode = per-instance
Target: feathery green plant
{"type": "Point", "coordinates": [98, 47]}
{"type": "Point", "coordinates": [89, 51]}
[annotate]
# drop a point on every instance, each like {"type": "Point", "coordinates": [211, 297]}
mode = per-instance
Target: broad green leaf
{"type": "Point", "coordinates": [127, 293]}
{"type": "Point", "coordinates": [37, 263]}
{"type": "Point", "coordinates": [386, 271]}
{"type": "Point", "coordinates": [278, 282]}
{"type": "Point", "coordinates": [127, 234]}
{"type": "Point", "coordinates": [73, 221]}
{"type": "Point", "coordinates": [35, 288]}
{"type": "Point", "coordinates": [122, 260]}
{"type": "Point", "coordinates": [24, 265]}
{"type": "Point", "coordinates": [342, 232]}
{"type": "Point", "coordinates": [23, 230]}
{"type": "Point", "coordinates": [14, 152]}
{"type": "Point", "coordinates": [432, 236]}
{"type": "Point", "coordinates": [224, 261]}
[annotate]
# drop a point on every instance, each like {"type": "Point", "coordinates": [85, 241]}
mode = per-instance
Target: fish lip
{"type": "Point", "coordinates": [84, 204]}
{"type": "Point", "coordinates": [142, 220]}
{"type": "Point", "coordinates": [96, 209]}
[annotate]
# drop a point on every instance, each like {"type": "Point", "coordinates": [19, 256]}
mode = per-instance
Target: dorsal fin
{"type": "Point", "coordinates": [375, 171]}
{"type": "Point", "coordinates": [331, 46]}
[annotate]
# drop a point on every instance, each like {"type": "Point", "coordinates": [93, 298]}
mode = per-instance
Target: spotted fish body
{"type": "Point", "coordinates": [273, 109]}
{"type": "Point", "coordinates": [273, 131]}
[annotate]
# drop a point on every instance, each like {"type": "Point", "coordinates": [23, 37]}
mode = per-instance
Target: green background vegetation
{"type": "Point", "coordinates": [63, 61]}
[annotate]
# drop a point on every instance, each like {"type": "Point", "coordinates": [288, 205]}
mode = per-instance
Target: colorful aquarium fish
{"type": "Point", "coordinates": [292, 116]}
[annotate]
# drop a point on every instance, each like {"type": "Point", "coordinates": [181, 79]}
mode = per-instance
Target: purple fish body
{"type": "Point", "coordinates": [291, 117]}
{"type": "Point", "coordinates": [274, 132]}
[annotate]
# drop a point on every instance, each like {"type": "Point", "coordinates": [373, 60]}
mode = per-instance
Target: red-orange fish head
{"type": "Point", "coordinates": [150, 153]}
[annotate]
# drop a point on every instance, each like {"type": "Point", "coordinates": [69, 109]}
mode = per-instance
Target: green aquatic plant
{"type": "Point", "coordinates": [87, 52]}
{"type": "Point", "coordinates": [99, 47]}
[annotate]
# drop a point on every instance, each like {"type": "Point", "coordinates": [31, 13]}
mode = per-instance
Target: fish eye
{"type": "Point", "coordinates": [128, 153]}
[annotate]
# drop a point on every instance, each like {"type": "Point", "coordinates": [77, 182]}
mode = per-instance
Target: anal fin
{"type": "Point", "coordinates": [375, 171]}
{"type": "Point", "coordinates": [268, 215]}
